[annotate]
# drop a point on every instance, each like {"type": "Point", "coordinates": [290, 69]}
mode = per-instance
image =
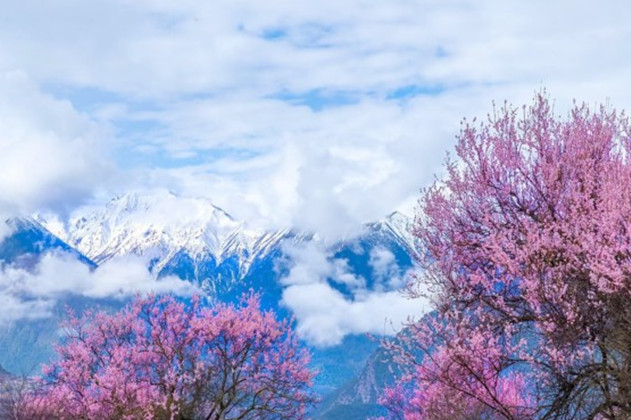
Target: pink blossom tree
{"type": "Point", "coordinates": [163, 359]}
{"type": "Point", "coordinates": [528, 261]}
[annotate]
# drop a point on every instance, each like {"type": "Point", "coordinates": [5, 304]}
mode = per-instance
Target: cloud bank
{"type": "Point", "coordinates": [33, 293]}
{"type": "Point", "coordinates": [325, 315]}
{"type": "Point", "coordinates": [318, 115]}
{"type": "Point", "coordinates": [52, 157]}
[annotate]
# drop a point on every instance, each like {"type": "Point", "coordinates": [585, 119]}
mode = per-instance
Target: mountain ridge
{"type": "Point", "coordinates": [163, 227]}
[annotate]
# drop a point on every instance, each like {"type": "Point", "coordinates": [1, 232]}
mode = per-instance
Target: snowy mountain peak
{"type": "Point", "coordinates": [399, 220]}
{"type": "Point", "coordinates": [166, 209]}
{"type": "Point", "coordinates": [154, 225]}
{"type": "Point", "coordinates": [163, 226]}
{"type": "Point", "coordinates": [401, 227]}
{"type": "Point", "coordinates": [397, 215]}
{"type": "Point", "coordinates": [22, 223]}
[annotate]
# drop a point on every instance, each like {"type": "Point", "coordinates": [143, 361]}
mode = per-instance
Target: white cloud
{"type": "Point", "coordinates": [309, 263]}
{"type": "Point", "coordinates": [15, 308]}
{"type": "Point", "coordinates": [215, 94]}
{"type": "Point", "coordinates": [325, 315]}
{"type": "Point", "coordinates": [33, 293]}
{"type": "Point", "coordinates": [386, 271]}
{"type": "Point", "coordinates": [383, 261]}
{"type": "Point", "coordinates": [50, 154]}
{"type": "Point", "coordinates": [325, 171]}
{"type": "Point", "coordinates": [153, 50]}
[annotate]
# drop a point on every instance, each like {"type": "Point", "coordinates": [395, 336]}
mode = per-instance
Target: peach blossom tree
{"type": "Point", "coordinates": [160, 358]}
{"type": "Point", "coordinates": [527, 258]}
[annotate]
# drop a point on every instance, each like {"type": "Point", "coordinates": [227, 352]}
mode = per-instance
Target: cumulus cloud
{"type": "Point", "coordinates": [33, 293]}
{"type": "Point", "coordinates": [16, 308]}
{"type": "Point", "coordinates": [191, 47]}
{"type": "Point", "coordinates": [320, 116]}
{"type": "Point", "coordinates": [325, 315]}
{"type": "Point", "coordinates": [312, 262]}
{"type": "Point", "coordinates": [325, 171]}
{"type": "Point", "coordinates": [51, 155]}
{"type": "Point", "coordinates": [382, 261]}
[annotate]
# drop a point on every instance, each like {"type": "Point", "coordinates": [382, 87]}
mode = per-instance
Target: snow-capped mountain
{"type": "Point", "coordinates": [189, 237]}
{"type": "Point", "coordinates": [161, 226]}
{"type": "Point", "coordinates": [398, 226]}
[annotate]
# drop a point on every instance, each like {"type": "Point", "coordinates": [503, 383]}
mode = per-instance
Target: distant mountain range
{"type": "Point", "coordinates": [195, 240]}
{"type": "Point", "coordinates": [161, 226]}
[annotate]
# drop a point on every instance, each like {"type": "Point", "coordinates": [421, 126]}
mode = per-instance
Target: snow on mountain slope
{"type": "Point", "coordinates": [188, 234]}
{"type": "Point", "coordinates": [399, 226]}
{"type": "Point", "coordinates": [158, 226]}
{"type": "Point", "coordinates": [29, 241]}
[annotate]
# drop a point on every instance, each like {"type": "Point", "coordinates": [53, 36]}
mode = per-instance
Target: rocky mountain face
{"type": "Point", "coordinates": [158, 227]}
{"type": "Point", "coordinates": [358, 398]}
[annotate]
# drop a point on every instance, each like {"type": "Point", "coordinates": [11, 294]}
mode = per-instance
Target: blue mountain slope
{"type": "Point", "coordinates": [215, 278]}
{"type": "Point", "coordinates": [25, 344]}
{"type": "Point", "coordinates": [29, 240]}
{"type": "Point", "coordinates": [337, 365]}
{"type": "Point", "coordinates": [358, 398]}
{"type": "Point", "coordinates": [226, 279]}
{"type": "Point", "coordinates": [227, 282]}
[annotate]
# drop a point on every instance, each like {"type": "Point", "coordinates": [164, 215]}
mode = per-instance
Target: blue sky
{"type": "Point", "coordinates": [320, 115]}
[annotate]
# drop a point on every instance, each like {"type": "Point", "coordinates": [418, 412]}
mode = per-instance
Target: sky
{"type": "Point", "coordinates": [311, 114]}
{"type": "Point", "coordinates": [316, 115]}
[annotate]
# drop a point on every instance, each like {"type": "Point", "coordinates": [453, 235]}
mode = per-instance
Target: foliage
{"type": "Point", "coordinates": [528, 260]}
{"type": "Point", "coordinates": [164, 359]}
